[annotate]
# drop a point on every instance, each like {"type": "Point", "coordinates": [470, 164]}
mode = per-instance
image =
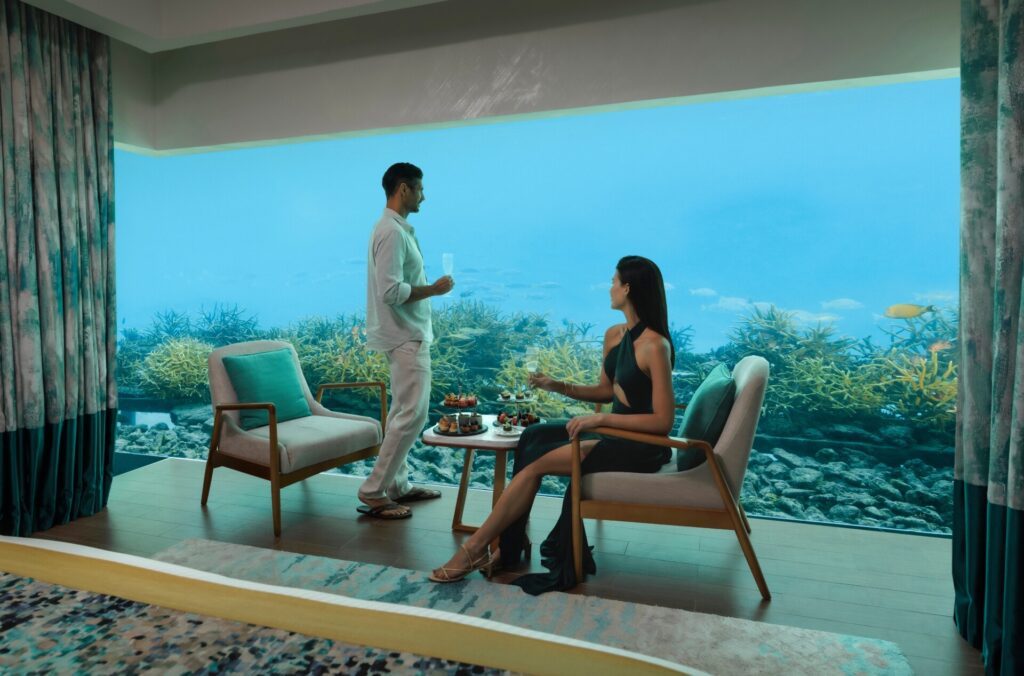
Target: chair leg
{"type": "Point", "coordinates": [743, 517]}
{"type": "Point", "coordinates": [755, 567]}
{"type": "Point", "coordinates": [275, 501]}
{"type": "Point", "coordinates": [740, 525]}
{"type": "Point", "coordinates": [207, 480]}
{"type": "Point", "coordinates": [577, 516]}
{"type": "Point", "coordinates": [577, 546]}
{"type": "Point", "coordinates": [214, 443]}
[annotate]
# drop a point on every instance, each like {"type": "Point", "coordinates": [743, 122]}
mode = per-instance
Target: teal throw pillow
{"type": "Point", "coordinates": [267, 376]}
{"type": "Point", "coordinates": [706, 414]}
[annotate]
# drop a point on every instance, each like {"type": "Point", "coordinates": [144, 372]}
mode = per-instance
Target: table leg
{"type": "Point", "coordinates": [499, 476]}
{"type": "Point", "coordinates": [460, 501]}
{"type": "Point", "coordinates": [500, 458]}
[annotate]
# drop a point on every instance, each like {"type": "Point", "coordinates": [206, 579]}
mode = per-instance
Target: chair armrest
{"type": "Point", "coordinates": [598, 406]}
{"type": "Point", "coordinates": [345, 386]}
{"type": "Point", "coordinates": [274, 459]}
{"type": "Point", "coordinates": [269, 406]}
{"type": "Point", "coordinates": [666, 441]}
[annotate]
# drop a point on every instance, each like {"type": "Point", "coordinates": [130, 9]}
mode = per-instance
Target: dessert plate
{"type": "Point", "coordinates": [437, 430]}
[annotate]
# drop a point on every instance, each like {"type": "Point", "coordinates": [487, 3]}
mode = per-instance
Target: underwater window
{"type": "Point", "coordinates": [818, 229]}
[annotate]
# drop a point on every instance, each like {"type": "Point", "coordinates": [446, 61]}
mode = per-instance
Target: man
{"type": "Point", "coordinates": [398, 324]}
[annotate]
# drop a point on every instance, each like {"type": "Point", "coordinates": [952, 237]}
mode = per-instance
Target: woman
{"type": "Point", "coordinates": [636, 376]}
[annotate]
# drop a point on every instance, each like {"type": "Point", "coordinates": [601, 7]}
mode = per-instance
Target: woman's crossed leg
{"type": "Point", "coordinates": [516, 500]}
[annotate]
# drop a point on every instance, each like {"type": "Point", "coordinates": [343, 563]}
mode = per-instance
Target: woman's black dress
{"type": "Point", "coordinates": [608, 455]}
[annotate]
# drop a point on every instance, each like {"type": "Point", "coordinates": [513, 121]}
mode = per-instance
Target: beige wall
{"type": "Point", "coordinates": [474, 59]}
{"type": "Point", "coordinates": [134, 96]}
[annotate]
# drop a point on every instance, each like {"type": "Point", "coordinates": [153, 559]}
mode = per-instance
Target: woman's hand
{"type": "Point", "coordinates": [581, 423]}
{"type": "Point", "coordinates": [541, 381]}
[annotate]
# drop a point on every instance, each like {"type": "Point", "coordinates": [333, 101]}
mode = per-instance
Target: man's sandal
{"type": "Point", "coordinates": [418, 493]}
{"type": "Point", "coordinates": [484, 563]}
{"type": "Point", "coordinates": [389, 511]}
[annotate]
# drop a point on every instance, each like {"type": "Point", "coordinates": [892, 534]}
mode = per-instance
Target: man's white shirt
{"type": "Point", "coordinates": [394, 266]}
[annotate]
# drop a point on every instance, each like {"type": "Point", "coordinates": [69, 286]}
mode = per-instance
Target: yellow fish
{"type": "Point", "coordinates": [907, 310]}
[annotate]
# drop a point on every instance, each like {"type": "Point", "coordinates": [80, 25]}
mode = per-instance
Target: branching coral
{"type": "Point", "coordinates": [815, 387]}
{"type": "Point", "coordinates": [176, 369]}
{"type": "Point", "coordinates": [226, 324]}
{"type": "Point", "coordinates": [921, 389]}
{"type": "Point", "coordinates": [334, 351]}
{"type": "Point", "coordinates": [470, 341]}
{"type": "Point", "coordinates": [562, 359]}
{"type": "Point", "coordinates": [816, 376]}
{"type": "Point", "coordinates": [921, 335]}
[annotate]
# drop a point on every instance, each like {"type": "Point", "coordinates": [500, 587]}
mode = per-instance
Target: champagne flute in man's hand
{"type": "Point", "coordinates": [448, 264]}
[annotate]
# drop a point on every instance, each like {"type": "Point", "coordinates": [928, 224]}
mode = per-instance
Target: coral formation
{"type": "Point", "coordinates": [176, 369]}
{"type": "Point", "coordinates": [899, 398]}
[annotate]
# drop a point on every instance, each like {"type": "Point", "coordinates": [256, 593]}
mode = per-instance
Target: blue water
{"type": "Point", "coordinates": [832, 204]}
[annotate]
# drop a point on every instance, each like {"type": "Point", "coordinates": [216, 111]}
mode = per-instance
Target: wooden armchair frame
{"type": "Point", "coordinates": [731, 517]}
{"type": "Point", "coordinates": [272, 472]}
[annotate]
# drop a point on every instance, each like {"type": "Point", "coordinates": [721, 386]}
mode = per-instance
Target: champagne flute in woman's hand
{"type": "Point", "coordinates": [531, 362]}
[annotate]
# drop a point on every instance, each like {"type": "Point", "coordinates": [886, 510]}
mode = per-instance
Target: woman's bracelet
{"type": "Point", "coordinates": [570, 390]}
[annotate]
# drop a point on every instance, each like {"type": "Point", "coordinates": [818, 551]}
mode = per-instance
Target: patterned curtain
{"type": "Point", "coordinates": [988, 527]}
{"type": "Point", "coordinates": [58, 398]}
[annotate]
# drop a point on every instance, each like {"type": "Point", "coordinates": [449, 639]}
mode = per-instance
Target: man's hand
{"type": "Point", "coordinates": [440, 287]}
{"type": "Point", "coordinates": [443, 285]}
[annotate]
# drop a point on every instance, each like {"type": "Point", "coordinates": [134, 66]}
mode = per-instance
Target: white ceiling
{"type": "Point", "coordinates": [160, 25]}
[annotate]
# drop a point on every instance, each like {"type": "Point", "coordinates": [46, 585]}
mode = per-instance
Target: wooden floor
{"type": "Point", "coordinates": [884, 585]}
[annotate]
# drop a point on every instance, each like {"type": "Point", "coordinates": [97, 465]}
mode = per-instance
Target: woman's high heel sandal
{"type": "Point", "coordinates": [485, 562]}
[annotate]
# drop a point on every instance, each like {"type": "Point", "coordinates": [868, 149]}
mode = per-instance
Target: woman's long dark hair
{"type": "Point", "coordinates": [647, 293]}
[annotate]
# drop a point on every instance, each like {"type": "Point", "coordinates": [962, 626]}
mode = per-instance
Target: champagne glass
{"type": "Point", "coordinates": [531, 361]}
{"type": "Point", "coordinates": [448, 265]}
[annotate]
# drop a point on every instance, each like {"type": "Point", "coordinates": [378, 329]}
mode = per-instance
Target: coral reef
{"type": "Point", "coordinates": [869, 399]}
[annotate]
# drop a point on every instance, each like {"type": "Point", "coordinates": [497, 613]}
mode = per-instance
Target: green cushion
{"type": "Point", "coordinates": [267, 376]}
{"type": "Point", "coordinates": [706, 414]}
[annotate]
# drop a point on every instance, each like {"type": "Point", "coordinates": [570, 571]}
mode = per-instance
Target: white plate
{"type": "Point", "coordinates": [513, 400]}
{"type": "Point", "coordinates": [514, 432]}
{"type": "Point", "coordinates": [497, 425]}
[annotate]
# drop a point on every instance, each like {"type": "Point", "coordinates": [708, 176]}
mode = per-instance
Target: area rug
{"type": "Point", "coordinates": [718, 645]}
{"type": "Point", "coordinates": [48, 628]}
{"type": "Point", "coordinates": [67, 608]}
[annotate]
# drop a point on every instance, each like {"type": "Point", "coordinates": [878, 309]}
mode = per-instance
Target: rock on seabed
{"type": "Point", "coordinates": [849, 486]}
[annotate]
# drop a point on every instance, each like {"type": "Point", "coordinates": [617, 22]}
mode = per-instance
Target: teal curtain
{"type": "Point", "coordinates": [58, 398]}
{"type": "Point", "coordinates": [988, 528]}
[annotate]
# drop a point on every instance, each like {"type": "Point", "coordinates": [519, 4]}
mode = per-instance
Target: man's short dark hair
{"type": "Point", "coordinates": [399, 173]}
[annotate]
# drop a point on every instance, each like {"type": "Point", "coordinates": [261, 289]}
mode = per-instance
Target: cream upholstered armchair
{"type": "Point", "coordinates": [288, 451]}
{"type": "Point", "coordinates": [705, 496]}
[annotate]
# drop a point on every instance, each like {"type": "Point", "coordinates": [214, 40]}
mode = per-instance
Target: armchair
{"type": "Point", "coordinates": [703, 497]}
{"type": "Point", "coordinates": [284, 452]}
